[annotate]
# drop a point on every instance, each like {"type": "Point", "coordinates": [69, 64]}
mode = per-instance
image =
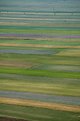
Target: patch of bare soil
{"type": "Point", "coordinates": [10, 119]}
{"type": "Point", "coordinates": [16, 64]}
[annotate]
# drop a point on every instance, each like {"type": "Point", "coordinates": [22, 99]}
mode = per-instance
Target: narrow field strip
{"type": "Point", "coordinates": [48, 13]}
{"type": "Point", "coordinates": [51, 19]}
{"type": "Point", "coordinates": [39, 45]}
{"type": "Point", "coordinates": [44, 39]}
{"type": "Point", "coordinates": [38, 27]}
{"type": "Point", "coordinates": [54, 41]}
{"type": "Point", "coordinates": [43, 73]}
{"type": "Point", "coordinates": [55, 106]}
{"type": "Point", "coordinates": [38, 31]}
{"type": "Point", "coordinates": [40, 24]}
{"type": "Point", "coordinates": [42, 97]}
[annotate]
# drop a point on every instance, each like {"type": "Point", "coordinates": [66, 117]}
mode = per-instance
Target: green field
{"type": "Point", "coordinates": [50, 86]}
{"type": "Point", "coordinates": [60, 72]}
{"type": "Point", "coordinates": [37, 114]}
{"type": "Point", "coordinates": [54, 42]}
{"type": "Point", "coordinates": [63, 32]}
{"type": "Point", "coordinates": [40, 60]}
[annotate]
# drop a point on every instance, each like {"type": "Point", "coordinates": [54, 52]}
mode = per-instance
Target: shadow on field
{"type": "Point", "coordinates": [11, 119]}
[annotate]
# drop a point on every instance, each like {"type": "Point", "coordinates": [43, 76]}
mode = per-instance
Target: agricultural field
{"type": "Point", "coordinates": [39, 60]}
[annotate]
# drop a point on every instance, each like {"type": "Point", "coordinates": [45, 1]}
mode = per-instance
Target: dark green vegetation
{"type": "Point", "coordinates": [10, 119]}
{"type": "Point", "coordinates": [31, 72]}
{"type": "Point", "coordinates": [37, 114]}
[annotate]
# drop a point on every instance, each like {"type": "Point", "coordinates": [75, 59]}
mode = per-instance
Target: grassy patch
{"type": "Point", "coordinates": [37, 114]}
{"type": "Point", "coordinates": [46, 85]}
{"type": "Point", "coordinates": [46, 31]}
{"type": "Point", "coordinates": [70, 52]}
{"type": "Point", "coordinates": [42, 59]}
{"type": "Point", "coordinates": [43, 42]}
{"type": "Point", "coordinates": [30, 72]}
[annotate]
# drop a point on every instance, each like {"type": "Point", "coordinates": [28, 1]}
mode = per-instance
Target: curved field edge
{"type": "Point", "coordinates": [55, 106]}
{"type": "Point", "coordinates": [32, 113]}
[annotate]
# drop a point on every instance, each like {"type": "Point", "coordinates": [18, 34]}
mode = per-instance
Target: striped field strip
{"type": "Point", "coordinates": [8, 18]}
{"type": "Point", "coordinates": [39, 45]}
{"type": "Point", "coordinates": [55, 106]}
